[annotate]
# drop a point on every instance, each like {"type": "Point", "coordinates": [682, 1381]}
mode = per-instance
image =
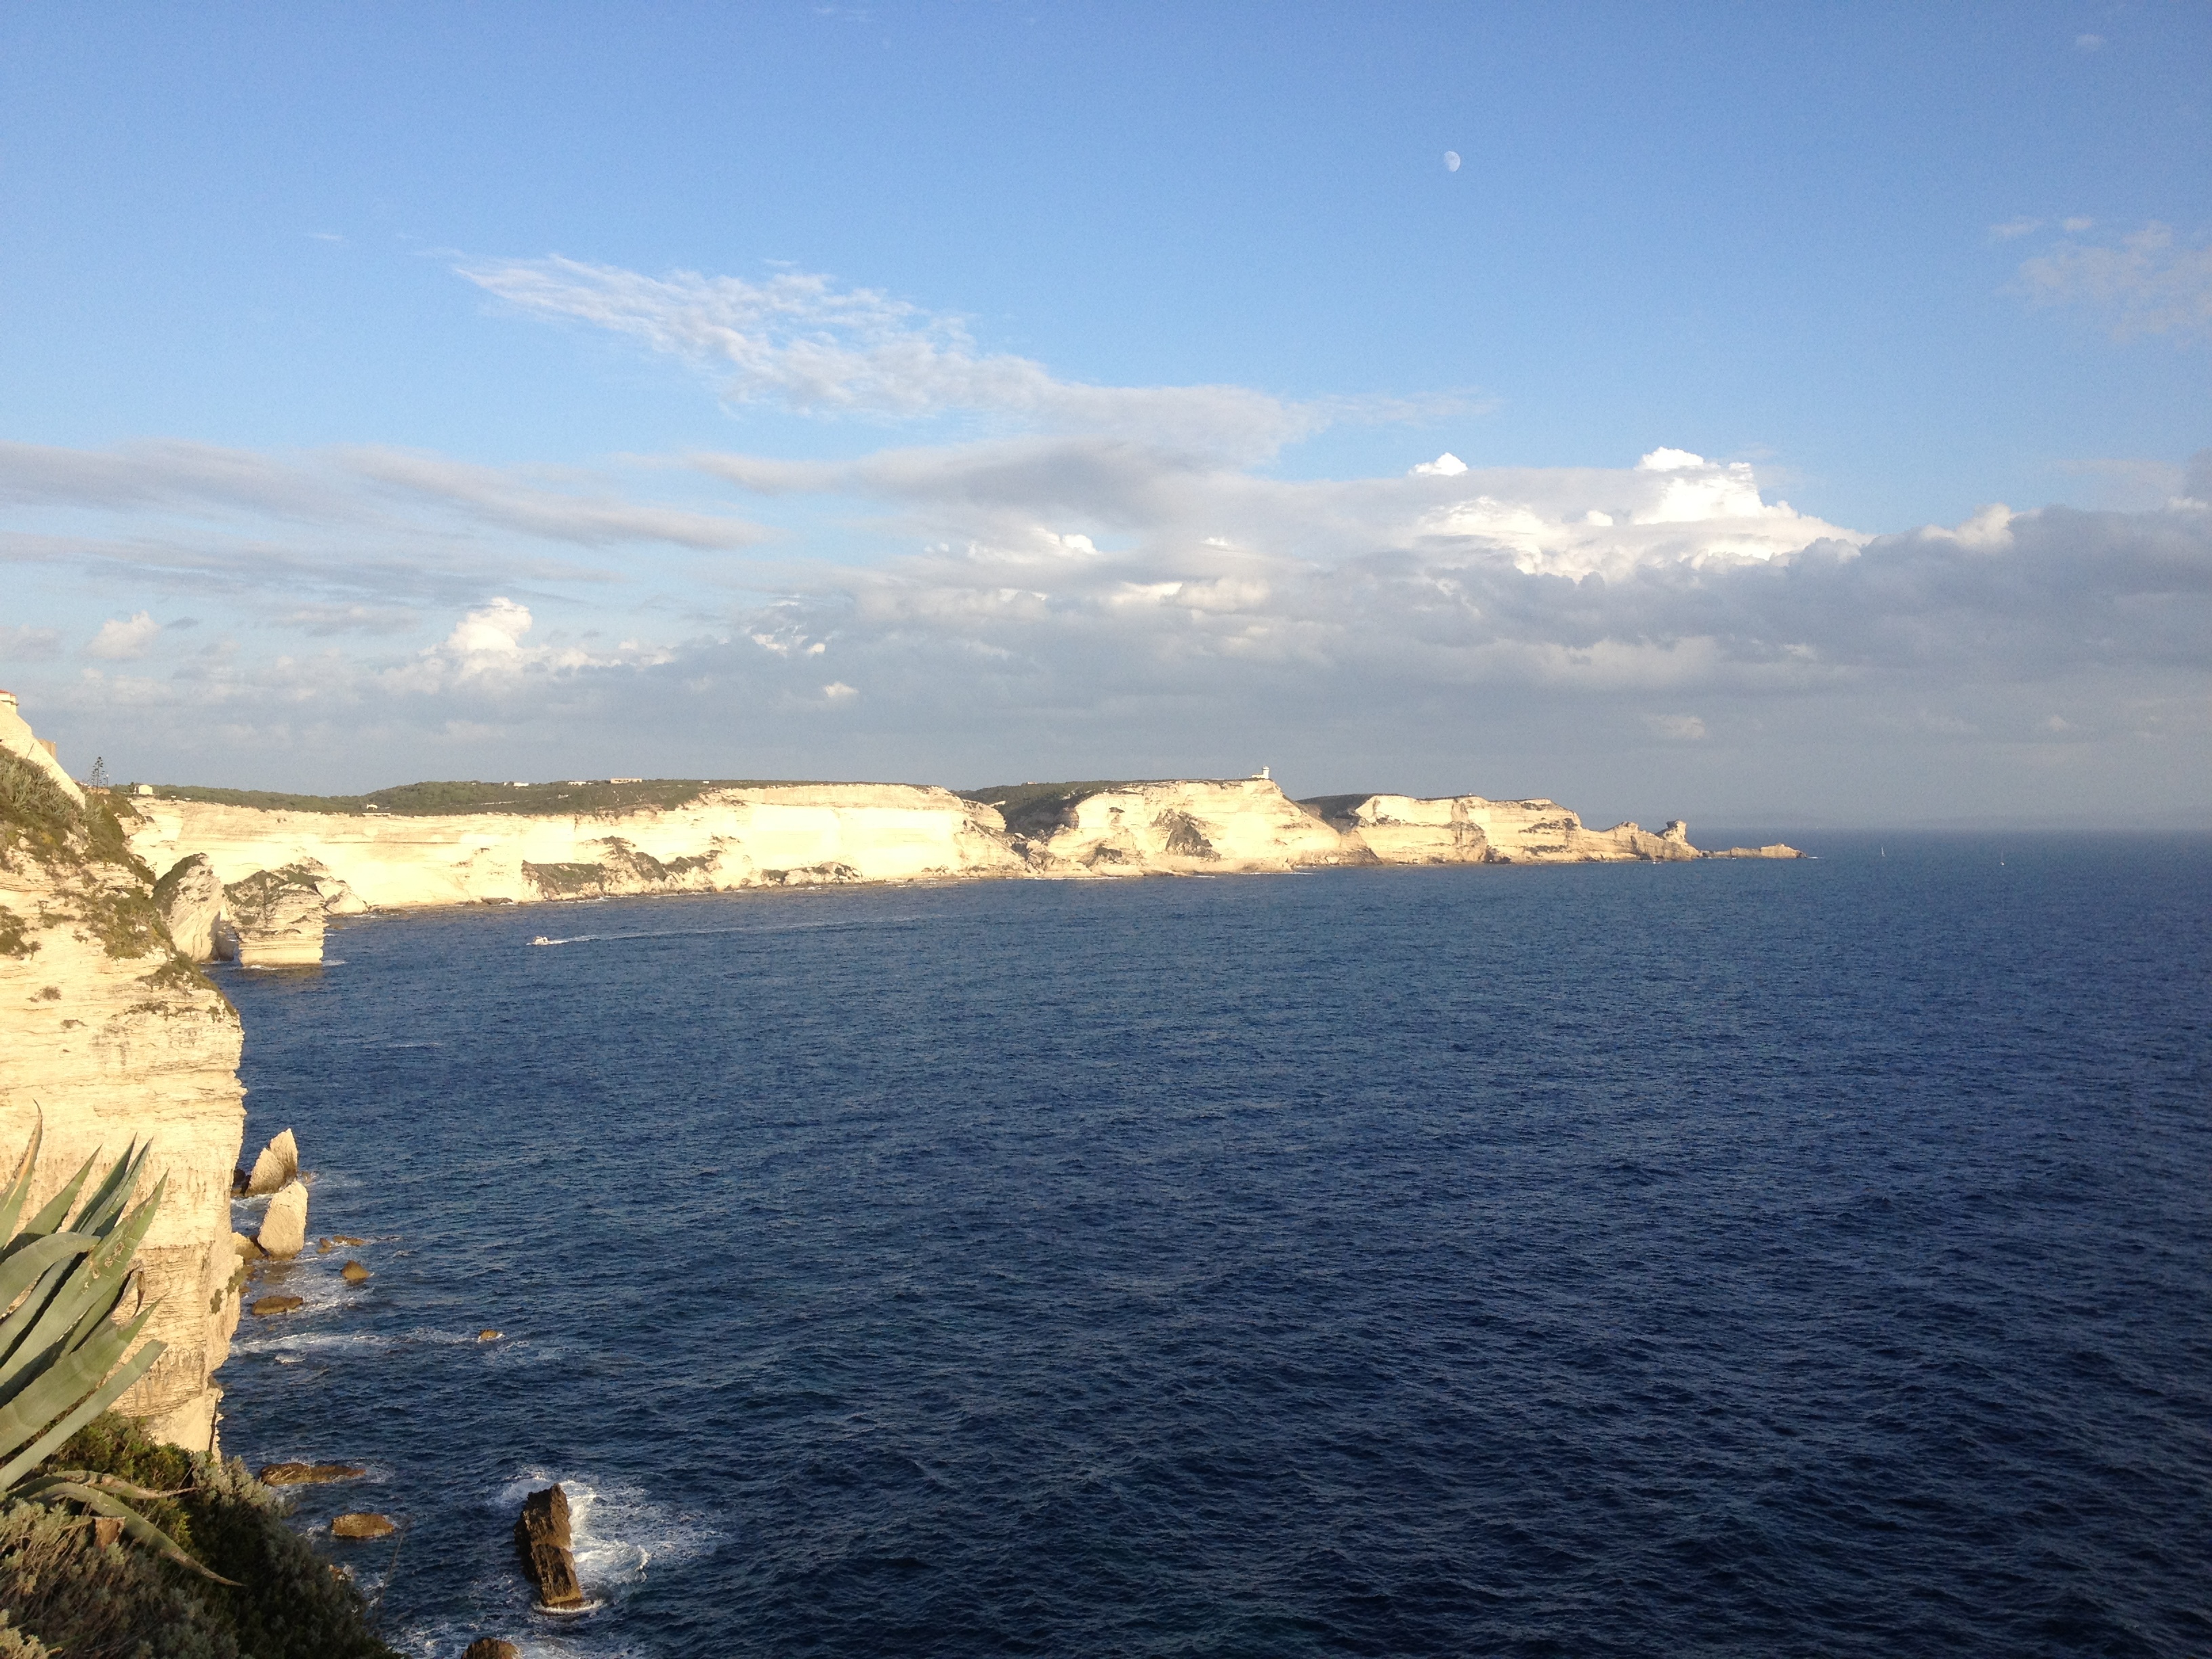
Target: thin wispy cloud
{"type": "Point", "coordinates": [804, 342]}
{"type": "Point", "coordinates": [2151, 282]}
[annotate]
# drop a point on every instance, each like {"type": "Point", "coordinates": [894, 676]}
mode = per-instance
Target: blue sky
{"type": "Point", "coordinates": [404, 391]}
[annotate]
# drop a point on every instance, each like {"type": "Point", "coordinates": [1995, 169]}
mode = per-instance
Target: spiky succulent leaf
{"type": "Point", "coordinates": [133, 1522]}
{"type": "Point", "coordinates": [52, 1398]}
{"type": "Point", "coordinates": [107, 1203]}
{"type": "Point", "coordinates": [19, 1271]}
{"type": "Point", "coordinates": [49, 1219]}
{"type": "Point", "coordinates": [19, 1355]}
{"type": "Point", "coordinates": [19, 1186]}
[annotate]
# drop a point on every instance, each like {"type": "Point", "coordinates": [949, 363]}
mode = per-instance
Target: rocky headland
{"type": "Point", "coordinates": [277, 868]}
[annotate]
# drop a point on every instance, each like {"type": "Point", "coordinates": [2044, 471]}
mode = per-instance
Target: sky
{"type": "Point", "coordinates": [1781, 416]}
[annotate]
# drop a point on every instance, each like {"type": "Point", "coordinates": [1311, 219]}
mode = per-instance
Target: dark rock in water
{"type": "Point", "coordinates": [361, 1524]}
{"type": "Point", "coordinates": [542, 1536]}
{"type": "Point", "coordinates": [239, 1178]}
{"type": "Point", "coordinates": [544, 1520]}
{"type": "Point", "coordinates": [490, 1647]}
{"type": "Point", "coordinates": [308, 1474]}
{"type": "Point", "coordinates": [266, 1305]}
{"type": "Point", "coordinates": [353, 1273]}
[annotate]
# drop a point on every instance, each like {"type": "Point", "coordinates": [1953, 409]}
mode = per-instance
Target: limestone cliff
{"type": "Point", "coordinates": [1472, 830]}
{"type": "Point", "coordinates": [286, 866]}
{"type": "Point", "coordinates": [1183, 827]}
{"type": "Point", "coordinates": [112, 1034]}
{"type": "Point", "coordinates": [780, 835]}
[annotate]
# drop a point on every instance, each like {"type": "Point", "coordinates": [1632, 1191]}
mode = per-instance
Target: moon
{"type": "Point", "coordinates": [1451, 160]}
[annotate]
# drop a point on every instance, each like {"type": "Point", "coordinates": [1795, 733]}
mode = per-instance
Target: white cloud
{"type": "Point", "coordinates": [2013, 228]}
{"type": "Point", "coordinates": [1446, 466]}
{"type": "Point", "coordinates": [121, 639]}
{"type": "Point", "coordinates": [838, 691]}
{"type": "Point", "coordinates": [2088, 42]}
{"type": "Point", "coordinates": [2148, 283]}
{"type": "Point", "coordinates": [1676, 728]}
{"type": "Point", "coordinates": [802, 341]}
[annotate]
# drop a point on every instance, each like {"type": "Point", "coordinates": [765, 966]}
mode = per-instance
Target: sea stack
{"type": "Point", "coordinates": [549, 1558]}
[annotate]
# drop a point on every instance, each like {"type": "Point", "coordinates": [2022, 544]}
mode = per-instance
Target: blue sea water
{"type": "Point", "coordinates": [1801, 1258]}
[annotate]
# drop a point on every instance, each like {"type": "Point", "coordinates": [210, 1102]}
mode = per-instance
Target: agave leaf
{"type": "Point", "coordinates": [27, 1264]}
{"type": "Point", "coordinates": [108, 1483]}
{"type": "Point", "coordinates": [100, 1210]}
{"type": "Point", "coordinates": [49, 1219]}
{"type": "Point", "coordinates": [17, 1348]}
{"type": "Point", "coordinates": [70, 1393]}
{"type": "Point", "coordinates": [90, 1294]}
{"type": "Point", "coordinates": [19, 1186]}
{"type": "Point", "coordinates": [133, 1522]}
{"type": "Point", "coordinates": [109, 1270]}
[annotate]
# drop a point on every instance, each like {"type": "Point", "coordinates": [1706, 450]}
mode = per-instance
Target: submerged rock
{"type": "Point", "coordinates": [361, 1523]}
{"type": "Point", "coordinates": [266, 1305]}
{"type": "Point", "coordinates": [491, 1647]}
{"type": "Point", "coordinates": [354, 1273]}
{"type": "Point", "coordinates": [308, 1474]}
{"type": "Point", "coordinates": [487, 1334]}
{"type": "Point", "coordinates": [284, 1228]}
{"type": "Point", "coordinates": [544, 1540]}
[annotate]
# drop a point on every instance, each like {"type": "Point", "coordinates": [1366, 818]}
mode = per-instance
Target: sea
{"type": "Point", "coordinates": [1720, 1258]}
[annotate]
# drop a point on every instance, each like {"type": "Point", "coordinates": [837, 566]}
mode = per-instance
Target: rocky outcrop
{"type": "Point", "coordinates": [1772, 850]}
{"type": "Point", "coordinates": [275, 1163]}
{"type": "Point", "coordinates": [547, 1547]}
{"type": "Point", "coordinates": [308, 1474]}
{"type": "Point", "coordinates": [112, 1034]}
{"type": "Point", "coordinates": [289, 869]}
{"type": "Point", "coordinates": [277, 916]}
{"type": "Point", "coordinates": [362, 1524]}
{"type": "Point", "coordinates": [1185, 828]}
{"type": "Point", "coordinates": [189, 898]}
{"type": "Point", "coordinates": [284, 1226]}
{"type": "Point", "coordinates": [1474, 829]}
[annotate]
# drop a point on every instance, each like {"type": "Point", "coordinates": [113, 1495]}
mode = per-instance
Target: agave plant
{"type": "Point", "coordinates": [63, 1359]}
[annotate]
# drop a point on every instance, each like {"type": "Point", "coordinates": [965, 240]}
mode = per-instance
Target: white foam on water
{"type": "Point", "coordinates": [620, 1531]}
{"type": "Point", "coordinates": [758, 927]}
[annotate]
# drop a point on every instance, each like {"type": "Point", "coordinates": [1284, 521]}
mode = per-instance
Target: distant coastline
{"type": "Point", "coordinates": [273, 868]}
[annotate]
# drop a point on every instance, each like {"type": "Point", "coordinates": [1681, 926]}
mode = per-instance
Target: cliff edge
{"type": "Point", "coordinates": [110, 1033]}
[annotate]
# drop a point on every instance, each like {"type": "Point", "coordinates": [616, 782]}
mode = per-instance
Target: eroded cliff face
{"type": "Point", "coordinates": [283, 872]}
{"type": "Point", "coordinates": [1472, 830]}
{"type": "Point", "coordinates": [785, 836]}
{"type": "Point", "coordinates": [110, 1033]}
{"type": "Point", "coordinates": [1187, 828]}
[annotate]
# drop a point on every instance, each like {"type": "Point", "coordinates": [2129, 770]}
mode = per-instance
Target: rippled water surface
{"type": "Point", "coordinates": [1745, 1258]}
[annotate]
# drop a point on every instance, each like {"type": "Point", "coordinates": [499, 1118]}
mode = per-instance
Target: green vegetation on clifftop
{"type": "Point", "coordinates": [595, 799]}
{"type": "Point", "coordinates": [76, 1600]}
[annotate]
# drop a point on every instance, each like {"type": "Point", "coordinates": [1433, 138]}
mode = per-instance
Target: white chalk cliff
{"type": "Point", "coordinates": [109, 1033]}
{"type": "Point", "coordinates": [283, 871]}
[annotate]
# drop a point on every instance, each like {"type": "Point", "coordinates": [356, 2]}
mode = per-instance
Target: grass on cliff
{"type": "Point", "coordinates": [107, 887]}
{"type": "Point", "coordinates": [593, 799]}
{"type": "Point", "coordinates": [67, 1596]}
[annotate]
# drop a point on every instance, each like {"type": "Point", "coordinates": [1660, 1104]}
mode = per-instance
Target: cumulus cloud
{"type": "Point", "coordinates": [2149, 282]}
{"type": "Point", "coordinates": [487, 650]}
{"type": "Point", "coordinates": [121, 639]}
{"type": "Point", "coordinates": [805, 343]}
